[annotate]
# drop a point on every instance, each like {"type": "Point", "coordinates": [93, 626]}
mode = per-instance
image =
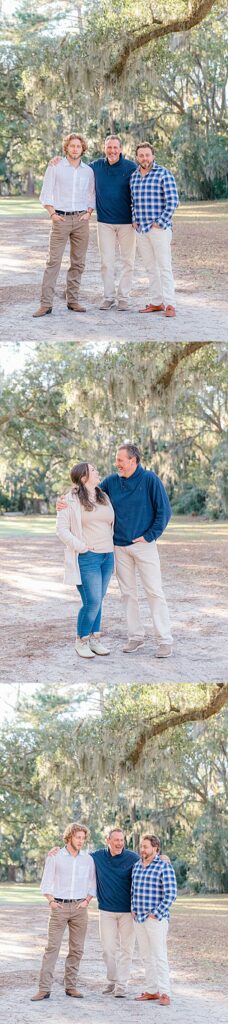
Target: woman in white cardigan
{"type": "Point", "coordinates": [86, 528]}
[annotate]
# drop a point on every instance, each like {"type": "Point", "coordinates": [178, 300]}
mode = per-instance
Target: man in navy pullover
{"type": "Point", "coordinates": [114, 221]}
{"type": "Point", "coordinates": [113, 873]}
{"type": "Point", "coordinates": [142, 511]}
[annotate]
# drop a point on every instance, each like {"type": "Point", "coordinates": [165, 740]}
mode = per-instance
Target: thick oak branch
{"type": "Point", "coordinates": [199, 713]}
{"type": "Point", "coordinates": [197, 11]}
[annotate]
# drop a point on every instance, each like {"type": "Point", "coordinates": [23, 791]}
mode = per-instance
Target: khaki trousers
{"type": "Point", "coordinates": [117, 937]}
{"type": "Point", "coordinates": [145, 559]}
{"type": "Point", "coordinates": [154, 247]}
{"type": "Point", "coordinates": [75, 916]}
{"type": "Point", "coordinates": [126, 237]}
{"type": "Point", "coordinates": [78, 232]}
{"type": "Point", "coordinates": [152, 939]}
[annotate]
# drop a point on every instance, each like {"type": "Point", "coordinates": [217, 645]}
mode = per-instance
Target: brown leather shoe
{"type": "Point", "coordinates": [40, 995]}
{"type": "Point", "coordinates": [76, 308]}
{"type": "Point", "coordinates": [170, 311]}
{"type": "Point", "coordinates": [74, 993]}
{"type": "Point", "coordinates": [43, 311]}
{"type": "Point", "coordinates": [147, 995]}
{"type": "Point", "coordinates": [164, 1000]}
{"type": "Point", "coordinates": [153, 309]}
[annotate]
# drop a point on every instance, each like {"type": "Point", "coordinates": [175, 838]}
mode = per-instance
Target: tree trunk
{"type": "Point", "coordinates": [30, 186]}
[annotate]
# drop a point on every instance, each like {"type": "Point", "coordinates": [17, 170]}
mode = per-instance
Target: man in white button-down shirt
{"type": "Point", "coordinates": [69, 883]}
{"type": "Point", "coordinates": [68, 194]}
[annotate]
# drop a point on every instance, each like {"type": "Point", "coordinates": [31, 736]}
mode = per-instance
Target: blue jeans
{"type": "Point", "coordinates": [95, 569]}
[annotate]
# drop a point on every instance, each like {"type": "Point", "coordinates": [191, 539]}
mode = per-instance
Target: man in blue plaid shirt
{"type": "Point", "coordinates": [153, 889]}
{"type": "Point", "coordinates": [154, 198]}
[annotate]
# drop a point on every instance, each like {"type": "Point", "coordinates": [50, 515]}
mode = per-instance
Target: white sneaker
{"type": "Point", "coordinates": [83, 648]}
{"type": "Point", "coordinates": [120, 992]}
{"type": "Point", "coordinates": [97, 647]}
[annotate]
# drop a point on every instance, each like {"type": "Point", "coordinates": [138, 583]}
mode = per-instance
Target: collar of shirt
{"type": "Point", "coordinates": [130, 481]}
{"type": "Point", "coordinates": [143, 177]}
{"type": "Point", "coordinates": [117, 162]}
{"type": "Point", "coordinates": [115, 856]}
{"type": "Point", "coordinates": [155, 860]}
{"type": "Point", "coordinates": [78, 853]}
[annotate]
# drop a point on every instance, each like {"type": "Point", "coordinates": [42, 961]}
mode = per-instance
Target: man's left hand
{"type": "Point", "coordinates": [54, 161]}
{"type": "Point", "coordinates": [140, 540]}
{"type": "Point", "coordinates": [85, 216]}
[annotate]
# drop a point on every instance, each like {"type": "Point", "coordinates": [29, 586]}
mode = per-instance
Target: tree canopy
{"type": "Point", "coordinates": [102, 67]}
{"type": "Point", "coordinates": [138, 757]}
{"type": "Point", "coordinates": [67, 404]}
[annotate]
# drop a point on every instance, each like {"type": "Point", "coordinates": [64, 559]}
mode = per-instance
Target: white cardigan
{"type": "Point", "coordinates": [69, 531]}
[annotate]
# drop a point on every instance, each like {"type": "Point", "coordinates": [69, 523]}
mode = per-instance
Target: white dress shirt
{"type": "Point", "coordinates": [68, 188]}
{"type": "Point", "coordinates": [69, 877]}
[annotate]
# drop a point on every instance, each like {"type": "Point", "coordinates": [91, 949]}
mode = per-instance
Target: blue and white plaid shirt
{"type": "Point", "coordinates": [154, 197]}
{"type": "Point", "coordinates": [153, 889]}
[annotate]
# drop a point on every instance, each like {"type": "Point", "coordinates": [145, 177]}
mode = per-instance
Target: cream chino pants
{"type": "Point", "coordinates": [126, 237]}
{"type": "Point", "coordinates": [152, 940]}
{"type": "Point", "coordinates": [154, 247]}
{"type": "Point", "coordinates": [144, 558]}
{"type": "Point", "coordinates": [117, 937]}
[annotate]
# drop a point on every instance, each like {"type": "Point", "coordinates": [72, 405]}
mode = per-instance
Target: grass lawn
{"type": "Point", "coordinates": [182, 528]}
{"type": "Point", "coordinates": [28, 894]}
{"type": "Point", "coordinates": [21, 206]}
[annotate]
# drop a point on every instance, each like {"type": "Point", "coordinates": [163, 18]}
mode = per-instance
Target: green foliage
{"type": "Point", "coordinates": [66, 405]}
{"type": "Point", "coordinates": [70, 757]}
{"type": "Point", "coordinates": [59, 71]}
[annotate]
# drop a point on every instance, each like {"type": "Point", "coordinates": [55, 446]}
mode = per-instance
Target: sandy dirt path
{"type": "Point", "coordinates": [196, 960]}
{"type": "Point", "coordinates": [199, 261]}
{"type": "Point", "coordinates": [39, 613]}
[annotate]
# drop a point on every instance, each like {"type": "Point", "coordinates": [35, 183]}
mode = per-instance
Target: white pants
{"type": "Point", "coordinates": [117, 935]}
{"type": "Point", "coordinates": [107, 235]}
{"type": "Point", "coordinates": [155, 249]}
{"type": "Point", "coordinates": [143, 557]}
{"type": "Point", "coordinates": [152, 940]}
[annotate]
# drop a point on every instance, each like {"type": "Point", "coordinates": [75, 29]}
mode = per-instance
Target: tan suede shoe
{"type": "Point", "coordinates": [76, 308]}
{"type": "Point", "coordinates": [40, 995]}
{"type": "Point", "coordinates": [43, 311]}
{"type": "Point", "coordinates": [74, 993]}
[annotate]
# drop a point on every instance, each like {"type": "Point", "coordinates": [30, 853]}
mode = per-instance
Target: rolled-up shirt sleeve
{"type": "Point", "coordinates": [48, 877]}
{"type": "Point", "coordinates": [46, 197]}
{"type": "Point", "coordinates": [169, 892]}
{"type": "Point", "coordinates": [171, 199]}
